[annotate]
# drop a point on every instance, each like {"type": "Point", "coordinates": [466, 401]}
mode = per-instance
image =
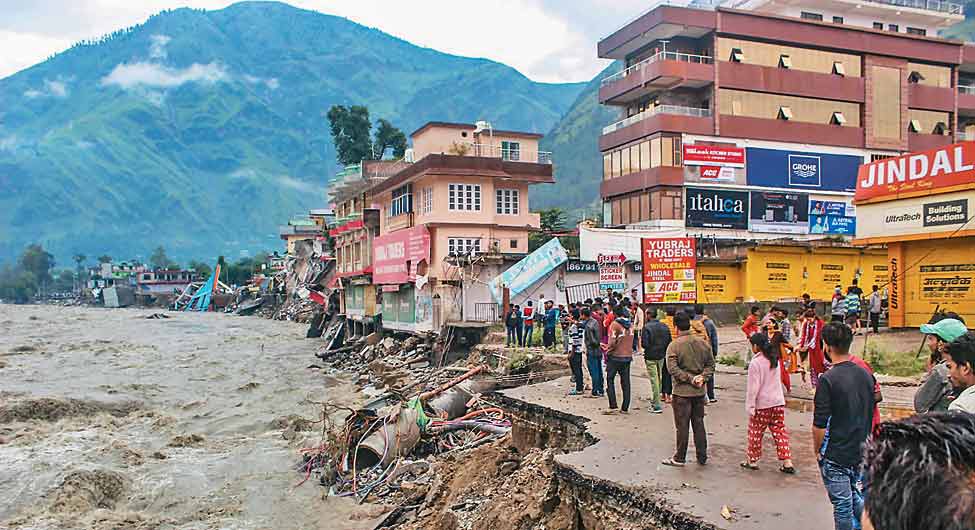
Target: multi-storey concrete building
{"type": "Point", "coordinates": [750, 121]}
{"type": "Point", "coordinates": [449, 221]}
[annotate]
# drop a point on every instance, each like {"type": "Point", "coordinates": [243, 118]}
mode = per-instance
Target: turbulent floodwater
{"type": "Point", "coordinates": [111, 420]}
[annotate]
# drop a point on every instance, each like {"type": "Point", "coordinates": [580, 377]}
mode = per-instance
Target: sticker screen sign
{"type": "Point", "coordinates": [612, 275]}
{"type": "Point", "coordinates": [669, 267]}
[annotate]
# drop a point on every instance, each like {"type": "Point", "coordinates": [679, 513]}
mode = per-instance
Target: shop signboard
{"type": "Point", "coordinates": [777, 168]}
{"type": "Point", "coordinates": [920, 173]}
{"type": "Point", "coordinates": [832, 225]}
{"type": "Point", "coordinates": [397, 255]}
{"type": "Point", "coordinates": [713, 155]}
{"type": "Point", "coordinates": [716, 208]}
{"type": "Point", "coordinates": [669, 267]}
{"type": "Point", "coordinates": [777, 212]}
{"type": "Point", "coordinates": [612, 275]}
{"type": "Point", "coordinates": [946, 283]}
{"type": "Point", "coordinates": [529, 269]}
{"type": "Point", "coordinates": [917, 215]}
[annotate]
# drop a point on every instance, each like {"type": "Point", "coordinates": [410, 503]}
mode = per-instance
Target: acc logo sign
{"type": "Point", "coordinates": [804, 170]}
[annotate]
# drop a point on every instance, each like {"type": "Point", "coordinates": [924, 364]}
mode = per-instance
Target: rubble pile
{"type": "Point", "coordinates": [297, 310]}
{"type": "Point", "coordinates": [387, 363]}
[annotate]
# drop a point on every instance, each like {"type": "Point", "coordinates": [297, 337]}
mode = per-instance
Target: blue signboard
{"type": "Point", "coordinates": [817, 207]}
{"type": "Point", "coordinates": [530, 269]}
{"type": "Point", "coordinates": [832, 225]}
{"type": "Point", "coordinates": [776, 168]}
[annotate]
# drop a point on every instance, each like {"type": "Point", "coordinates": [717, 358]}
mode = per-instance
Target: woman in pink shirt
{"type": "Point", "coordinates": [765, 404]}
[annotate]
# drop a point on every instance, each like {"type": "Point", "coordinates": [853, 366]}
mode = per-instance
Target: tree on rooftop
{"type": "Point", "coordinates": [552, 220]}
{"type": "Point", "coordinates": [159, 260]}
{"type": "Point", "coordinates": [388, 137]}
{"type": "Point", "coordinates": [104, 258]}
{"type": "Point", "coordinates": [350, 133]}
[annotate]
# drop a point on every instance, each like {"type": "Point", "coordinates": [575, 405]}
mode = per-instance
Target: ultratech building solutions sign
{"type": "Point", "coordinates": [918, 215]}
{"type": "Point", "coordinates": [716, 208]}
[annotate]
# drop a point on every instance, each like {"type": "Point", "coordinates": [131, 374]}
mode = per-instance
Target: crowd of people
{"type": "Point", "coordinates": [874, 474]}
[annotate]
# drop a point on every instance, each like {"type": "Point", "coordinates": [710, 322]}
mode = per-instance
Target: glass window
{"type": "Point", "coordinates": [655, 152]}
{"type": "Point", "coordinates": [506, 201]}
{"type": "Point", "coordinates": [464, 197]}
{"type": "Point", "coordinates": [645, 154]}
{"type": "Point", "coordinates": [463, 245]}
{"type": "Point", "coordinates": [878, 25]}
{"type": "Point", "coordinates": [837, 20]}
{"type": "Point", "coordinates": [667, 151]}
{"type": "Point", "coordinates": [607, 167]}
{"type": "Point", "coordinates": [917, 31]}
{"type": "Point", "coordinates": [427, 204]}
{"type": "Point", "coordinates": [806, 15]}
{"type": "Point", "coordinates": [402, 201]}
{"type": "Point", "coordinates": [893, 27]}
{"type": "Point", "coordinates": [616, 164]}
{"type": "Point", "coordinates": [625, 158]}
{"type": "Point", "coordinates": [510, 150]}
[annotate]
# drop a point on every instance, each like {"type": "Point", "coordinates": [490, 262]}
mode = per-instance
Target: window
{"type": "Point", "coordinates": [785, 113]}
{"type": "Point", "coordinates": [464, 197]}
{"type": "Point", "coordinates": [402, 201]}
{"type": "Point", "coordinates": [514, 243]}
{"type": "Point", "coordinates": [839, 69]}
{"type": "Point", "coordinates": [426, 205]}
{"type": "Point", "coordinates": [837, 119]}
{"type": "Point", "coordinates": [878, 25]}
{"type": "Point", "coordinates": [507, 202]}
{"type": "Point", "coordinates": [737, 55]}
{"type": "Point", "coordinates": [914, 126]}
{"type": "Point", "coordinates": [876, 157]}
{"type": "Point", "coordinates": [893, 27]}
{"type": "Point", "coordinates": [463, 245]}
{"type": "Point", "coordinates": [806, 15]}
{"type": "Point", "coordinates": [837, 20]}
{"type": "Point", "coordinates": [510, 150]}
{"type": "Point", "coordinates": [940, 128]}
{"type": "Point", "coordinates": [785, 61]}
{"type": "Point", "coordinates": [917, 31]}
{"type": "Point", "coordinates": [915, 77]}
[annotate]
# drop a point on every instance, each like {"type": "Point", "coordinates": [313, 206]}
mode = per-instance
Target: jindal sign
{"type": "Point", "coordinates": [917, 174]}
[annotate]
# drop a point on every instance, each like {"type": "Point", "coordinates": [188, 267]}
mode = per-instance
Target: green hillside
{"type": "Point", "coordinates": [205, 130]}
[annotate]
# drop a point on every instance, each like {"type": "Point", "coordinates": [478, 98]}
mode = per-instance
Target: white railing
{"type": "Point", "coordinates": [659, 56]}
{"type": "Point", "coordinates": [928, 5]}
{"type": "Point", "coordinates": [966, 89]}
{"type": "Point", "coordinates": [659, 109]}
{"type": "Point", "coordinates": [496, 151]}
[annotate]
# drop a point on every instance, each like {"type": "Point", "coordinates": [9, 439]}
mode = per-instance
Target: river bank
{"type": "Point", "coordinates": [112, 420]}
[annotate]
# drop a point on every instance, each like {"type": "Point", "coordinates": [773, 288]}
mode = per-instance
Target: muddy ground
{"type": "Point", "coordinates": [109, 420]}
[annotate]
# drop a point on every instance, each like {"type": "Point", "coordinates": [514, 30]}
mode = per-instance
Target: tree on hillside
{"type": "Point", "coordinates": [350, 133]}
{"type": "Point", "coordinates": [38, 262]}
{"type": "Point", "coordinates": [388, 137]}
{"type": "Point", "coordinates": [551, 220]}
{"type": "Point", "coordinates": [159, 260]}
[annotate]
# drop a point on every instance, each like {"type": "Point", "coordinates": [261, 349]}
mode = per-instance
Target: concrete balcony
{"type": "Point", "coordinates": [791, 131]}
{"type": "Point", "coordinates": [757, 78]}
{"type": "Point", "coordinates": [642, 180]}
{"type": "Point", "coordinates": [923, 142]}
{"type": "Point", "coordinates": [670, 118]}
{"type": "Point", "coordinates": [931, 97]}
{"type": "Point", "coordinates": [663, 71]}
{"type": "Point", "coordinates": [966, 100]}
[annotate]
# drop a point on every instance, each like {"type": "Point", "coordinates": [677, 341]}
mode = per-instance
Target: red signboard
{"type": "Point", "coordinates": [926, 171]}
{"type": "Point", "coordinates": [395, 256]}
{"type": "Point", "coordinates": [669, 267]}
{"type": "Point", "coordinates": [714, 155]}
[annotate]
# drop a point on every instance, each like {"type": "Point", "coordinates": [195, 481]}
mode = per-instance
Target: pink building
{"type": "Point", "coordinates": [452, 220]}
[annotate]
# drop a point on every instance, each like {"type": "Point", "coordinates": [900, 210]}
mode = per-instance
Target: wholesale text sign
{"type": "Point", "coordinates": [669, 268]}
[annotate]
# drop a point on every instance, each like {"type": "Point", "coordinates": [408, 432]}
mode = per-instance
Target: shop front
{"type": "Point", "coordinates": [400, 266]}
{"type": "Point", "coordinates": [921, 205]}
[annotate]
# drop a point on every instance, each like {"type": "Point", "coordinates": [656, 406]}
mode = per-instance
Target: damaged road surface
{"type": "Point", "coordinates": [111, 420]}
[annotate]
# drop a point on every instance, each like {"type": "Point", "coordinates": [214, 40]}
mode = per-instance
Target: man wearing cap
{"type": "Point", "coordinates": [960, 357]}
{"type": "Point", "coordinates": [936, 390]}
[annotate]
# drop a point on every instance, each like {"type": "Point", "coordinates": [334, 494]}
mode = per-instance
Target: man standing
{"type": "Point", "coordinates": [712, 331]}
{"type": "Point", "coordinates": [594, 354]}
{"type": "Point", "coordinates": [655, 339]}
{"type": "Point", "coordinates": [619, 353]}
{"type": "Point", "coordinates": [574, 336]}
{"type": "Point", "coordinates": [960, 355]}
{"type": "Point", "coordinates": [519, 326]}
{"type": "Point", "coordinates": [875, 307]}
{"type": "Point", "coordinates": [639, 317]}
{"type": "Point", "coordinates": [551, 320]}
{"type": "Point", "coordinates": [528, 316]}
{"type": "Point", "coordinates": [509, 324]}
{"type": "Point", "coordinates": [690, 363]}
{"type": "Point", "coordinates": [838, 305]}
{"type": "Point", "coordinates": [750, 327]}
{"type": "Point", "coordinates": [842, 419]}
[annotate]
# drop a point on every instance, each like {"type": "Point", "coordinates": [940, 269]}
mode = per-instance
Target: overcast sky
{"type": "Point", "coordinates": [547, 40]}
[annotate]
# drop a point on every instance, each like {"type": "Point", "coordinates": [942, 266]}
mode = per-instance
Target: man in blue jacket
{"type": "Point", "coordinates": [713, 339]}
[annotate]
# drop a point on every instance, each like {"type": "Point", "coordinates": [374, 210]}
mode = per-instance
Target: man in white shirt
{"type": "Point", "coordinates": [961, 369]}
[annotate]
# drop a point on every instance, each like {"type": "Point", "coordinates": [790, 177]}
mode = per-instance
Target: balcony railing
{"type": "Point", "coordinates": [940, 6]}
{"type": "Point", "coordinates": [504, 153]}
{"type": "Point", "coordinates": [659, 109]}
{"type": "Point", "coordinates": [660, 56]}
{"type": "Point", "coordinates": [966, 89]}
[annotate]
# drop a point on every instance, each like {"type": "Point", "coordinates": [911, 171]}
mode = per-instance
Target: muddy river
{"type": "Point", "coordinates": [110, 420]}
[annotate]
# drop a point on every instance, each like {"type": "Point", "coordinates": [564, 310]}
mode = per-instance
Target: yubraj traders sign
{"type": "Point", "coordinates": [395, 256]}
{"type": "Point", "coordinates": [669, 266]}
{"type": "Point", "coordinates": [926, 171]}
